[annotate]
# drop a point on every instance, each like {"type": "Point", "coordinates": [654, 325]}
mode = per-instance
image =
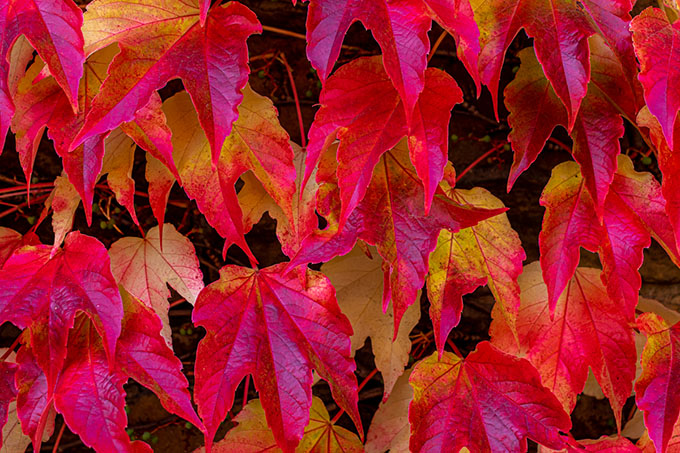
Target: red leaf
{"type": "Point", "coordinates": [588, 330]}
{"type": "Point", "coordinates": [361, 107]}
{"type": "Point", "coordinates": [54, 30]}
{"type": "Point", "coordinates": [390, 216]}
{"type": "Point", "coordinates": [569, 222]}
{"type": "Point", "coordinates": [654, 392]}
{"type": "Point", "coordinates": [269, 325]}
{"type": "Point", "coordinates": [559, 29]}
{"type": "Point", "coordinates": [155, 48]}
{"type": "Point", "coordinates": [90, 397]}
{"type": "Point", "coordinates": [489, 401]}
{"type": "Point", "coordinates": [657, 45]}
{"type": "Point", "coordinates": [10, 240]}
{"type": "Point", "coordinates": [44, 293]}
{"type": "Point", "coordinates": [33, 405]}
{"type": "Point", "coordinates": [144, 356]}
{"type": "Point", "coordinates": [535, 110]}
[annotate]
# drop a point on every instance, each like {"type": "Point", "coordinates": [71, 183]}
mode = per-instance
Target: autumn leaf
{"type": "Point", "coordinates": [489, 401]}
{"type": "Point", "coordinates": [362, 109]}
{"type": "Point", "coordinates": [267, 324]}
{"type": "Point", "coordinates": [257, 143]}
{"type": "Point", "coordinates": [10, 240]}
{"type": "Point", "coordinates": [157, 42]}
{"type": "Point", "coordinates": [390, 428]}
{"type": "Point", "coordinates": [54, 30]}
{"type": "Point", "coordinates": [252, 434]}
{"type": "Point", "coordinates": [42, 292]}
{"type": "Point", "coordinates": [63, 201]}
{"type": "Point", "coordinates": [588, 330]}
{"type": "Point", "coordinates": [560, 31]}
{"type": "Point", "coordinates": [657, 46]}
{"type": "Point", "coordinates": [660, 370]}
{"type": "Point", "coordinates": [609, 444]}
{"type": "Point", "coordinates": [145, 268]}
{"type": "Point", "coordinates": [487, 253]}
{"type": "Point", "coordinates": [392, 218]}
{"type": "Point", "coordinates": [358, 283]}
{"type": "Point", "coordinates": [255, 201]}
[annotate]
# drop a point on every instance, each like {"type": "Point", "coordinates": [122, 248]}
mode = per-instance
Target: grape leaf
{"type": "Point", "coordinates": [657, 46]}
{"type": "Point", "coordinates": [489, 401]}
{"type": "Point", "coordinates": [145, 268]}
{"type": "Point", "coordinates": [588, 330]}
{"type": "Point", "coordinates": [271, 325]}
{"type": "Point", "coordinates": [487, 253]}
{"type": "Point", "coordinates": [360, 106]}
{"type": "Point", "coordinates": [358, 283]}
{"type": "Point", "coordinates": [257, 143]}
{"type": "Point", "coordinates": [608, 444]}
{"type": "Point", "coordinates": [390, 216]}
{"type": "Point", "coordinates": [42, 292]}
{"type": "Point", "coordinates": [559, 29]}
{"type": "Point", "coordinates": [324, 436]}
{"type": "Point", "coordinates": [390, 428]}
{"type": "Point", "coordinates": [54, 30]}
{"type": "Point", "coordinates": [156, 42]}
{"type": "Point", "coordinates": [660, 370]}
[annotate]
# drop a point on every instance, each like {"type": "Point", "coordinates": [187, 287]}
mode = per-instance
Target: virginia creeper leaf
{"type": "Point", "coordinates": [144, 355]}
{"type": "Point", "coordinates": [559, 29]}
{"type": "Point", "coordinates": [43, 293]}
{"type": "Point", "coordinates": [360, 106]}
{"type": "Point", "coordinates": [268, 324]}
{"type": "Point", "coordinates": [608, 444]}
{"type": "Point", "coordinates": [588, 330]}
{"type": "Point", "coordinates": [487, 253]}
{"type": "Point", "coordinates": [92, 399]}
{"type": "Point", "coordinates": [257, 143]}
{"type": "Point", "coordinates": [358, 282]}
{"type": "Point", "coordinates": [119, 157]}
{"type": "Point", "coordinates": [657, 46]}
{"type": "Point", "coordinates": [8, 391]}
{"type": "Point", "coordinates": [323, 436]}
{"type": "Point", "coordinates": [669, 164]}
{"type": "Point", "coordinates": [392, 218]}
{"type": "Point", "coordinates": [660, 370]}
{"type": "Point", "coordinates": [145, 268]}
{"type": "Point", "coordinates": [390, 428]}
{"type": "Point", "coordinates": [489, 401]}
{"type": "Point", "coordinates": [10, 240]}
{"type": "Point", "coordinates": [34, 408]}
{"type": "Point", "coordinates": [54, 30]}
{"type": "Point", "coordinates": [63, 201]}
{"type": "Point", "coordinates": [255, 201]}
{"type": "Point", "coordinates": [156, 41]}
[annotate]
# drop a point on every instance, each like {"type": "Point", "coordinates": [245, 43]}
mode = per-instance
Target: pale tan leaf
{"type": "Point", "coordinates": [358, 282]}
{"type": "Point", "coordinates": [144, 269]}
{"type": "Point", "coordinates": [390, 429]}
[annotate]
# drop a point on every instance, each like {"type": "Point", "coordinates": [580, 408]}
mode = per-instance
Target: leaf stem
{"type": "Point", "coordinates": [478, 160]}
{"type": "Point", "coordinates": [436, 45]}
{"type": "Point", "coordinates": [303, 140]}
{"type": "Point", "coordinates": [455, 349]}
{"type": "Point", "coordinates": [56, 442]}
{"type": "Point", "coordinates": [10, 349]}
{"type": "Point", "coordinates": [245, 390]}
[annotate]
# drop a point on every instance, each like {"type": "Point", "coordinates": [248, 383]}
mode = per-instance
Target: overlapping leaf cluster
{"type": "Point", "coordinates": [376, 169]}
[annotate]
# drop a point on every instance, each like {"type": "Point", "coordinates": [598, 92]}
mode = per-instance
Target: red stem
{"type": "Point", "coordinates": [56, 442]}
{"type": "Point", "coordinates": [362, 385]}
{"type": "Point", "coordinates": [478, 160]}
{"type": "Point", "coordinates": [455, 349]}
{"type": "Point", "coordinates": [303, 139]}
